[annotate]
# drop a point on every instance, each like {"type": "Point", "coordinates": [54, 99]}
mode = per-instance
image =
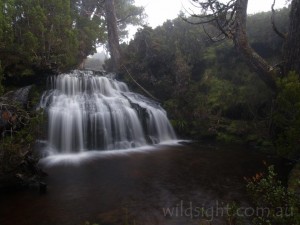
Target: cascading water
{"type": "Point", "coordinates": [89, 112]}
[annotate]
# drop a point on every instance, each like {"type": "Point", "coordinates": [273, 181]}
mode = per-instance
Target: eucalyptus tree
{"type": "Point", "coordinates": [117, 14]}
{"type": "Point", "coordinates": [292, 47]}
{"type": "Point", "coordinates": [41, 35]}
{"type": "Point", "coordinates": [113, 36]}
{"type": "Point", "coordinates": [38, 35]}
{"type": "Point", "coordinates": [5, 33]}
{"type": "Point", "coordinates": [230, 19]}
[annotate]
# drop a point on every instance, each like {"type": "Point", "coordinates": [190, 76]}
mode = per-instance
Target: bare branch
{"type": "Point", "coordinates": [213, 39]}
{"type": "Point", "coordinates": [230, 19]}
{"type": "Point", "coordinates": [280, 34]}
{"type": "Point", "coordinates": [221, 15]}
{"type": "Point", "coordinates": [197, 23]}
{"type": "Point", "coordinates": [126, 17]}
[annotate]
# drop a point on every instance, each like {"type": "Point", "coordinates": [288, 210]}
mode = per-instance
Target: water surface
{"type": "Point", "coordinates": [136, 187]}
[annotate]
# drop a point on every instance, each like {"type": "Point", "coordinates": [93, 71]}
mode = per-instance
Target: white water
{"type": "Point", "coordinates": [88, 112]}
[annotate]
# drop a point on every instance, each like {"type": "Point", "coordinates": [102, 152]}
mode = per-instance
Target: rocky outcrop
{"type": "Point", "coordinates": [11, 118]}
{"type": "Point", "coordinates": [18, 163]}
{"type": "Point", "coordinates": [13, 106]}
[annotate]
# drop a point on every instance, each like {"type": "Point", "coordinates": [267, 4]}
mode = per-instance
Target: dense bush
{"type": "Point", "coordinates": [274, 203]}
{"type": "Point", "coordinates": [206, 88]}
{"type": "Point", "coordinates": [287, 116]}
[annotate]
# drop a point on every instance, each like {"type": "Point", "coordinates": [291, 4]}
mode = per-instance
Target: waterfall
{"type": "Point", "coordinates": [89, 112]}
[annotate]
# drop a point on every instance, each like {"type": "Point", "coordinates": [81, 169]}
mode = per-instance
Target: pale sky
{"type": "Point", "coordinates": [159, 11]}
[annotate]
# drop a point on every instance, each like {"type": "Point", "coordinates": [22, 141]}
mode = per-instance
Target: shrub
{"type": "Point", "coordinates": [287, 116]}
{"type": "Point", "coordinates": [280, 206]}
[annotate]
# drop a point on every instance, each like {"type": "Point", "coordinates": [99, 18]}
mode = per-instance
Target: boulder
{"type": "Point", "coordinates": [12, 110]}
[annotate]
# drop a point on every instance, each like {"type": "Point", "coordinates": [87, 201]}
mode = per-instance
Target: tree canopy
{"type": "Point", "coordinates": [40, 35]}
{"type": "Point", "coordinates": [230, 20]}
{"type": "Point", "coordinates": [206, 87]}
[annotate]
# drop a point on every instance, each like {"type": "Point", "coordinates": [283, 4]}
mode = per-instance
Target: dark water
{"type": "Point", "coordinates": [137, 187]}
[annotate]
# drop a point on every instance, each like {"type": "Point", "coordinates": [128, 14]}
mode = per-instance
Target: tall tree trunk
{"type": "Point", "coordinates": [113, 37]}
{"type": "Point", "coordinates": [256, 62]}
{"type": "Point", "coordinates": [292, 45]}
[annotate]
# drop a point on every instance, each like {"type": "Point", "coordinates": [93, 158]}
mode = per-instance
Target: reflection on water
{"type": "Point", "coordinates": [144, 187]}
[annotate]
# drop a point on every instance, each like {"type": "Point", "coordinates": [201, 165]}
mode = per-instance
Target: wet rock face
{"type": "Point", "coordinates": [8, 118]}
{"type": "Point", "coordinates": [19, 96]}
{"type": "Point", "coordinates": [22, 95]}
{"type": "Point", "coordinates": [12, 106]}
{"type": "Point", "coordinates": [18, 160]}
{"type": "Point", "coordinates": [11, 118]}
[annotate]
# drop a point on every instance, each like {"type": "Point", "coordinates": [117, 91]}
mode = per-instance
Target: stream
{"type": "Point", "coordinates": [163, 185]}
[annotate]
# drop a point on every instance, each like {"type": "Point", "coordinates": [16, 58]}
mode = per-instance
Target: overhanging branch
{"type": "Point", "coordinates": [280, 34]}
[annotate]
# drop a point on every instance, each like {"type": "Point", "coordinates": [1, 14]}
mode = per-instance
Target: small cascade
{"type": "Point", "coordinates": [89, 112]}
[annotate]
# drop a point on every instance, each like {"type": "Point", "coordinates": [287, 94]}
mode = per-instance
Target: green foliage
{"type": "Point", "coordinates": [55, 35]}
{"type": "Point", "coordinates": [26, 126]}
{"type": "Point", "coordinates": [207, 88]}
{"type": "Point", "coordinates": [231, 217]}
{"type": "Point", "coordinates": [262, 36]}
{"type": "Point", "coordinates": [274, 203]}
{"type": "Point", "coordinates": [128, 14]}
{"type": "Point", "coordinates": [41, 35]}
{"type": "Point", "coordinates": [287, 116]}
{"type": "Point", "coordinates": [180, 125]}
{"type": "Point", "coordinates": [14, 146]}
{"type": "Point", "coordinates": [32, 128]}
{"type": "Point", "coordinates": [1, 78]}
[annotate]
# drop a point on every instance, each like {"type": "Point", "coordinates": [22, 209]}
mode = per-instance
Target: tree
{"type": "Point", "coordinates": [292, 47]}
{"type": "Point", "coordinates": [118, 14]}
{"type": "Point", "coordinates": [52, 35]}
{"type": "Point", "coordinates": [230, 20]}
{"type": "Point", "coordinates": [42, 36]}
{"type": "Point", "coordinates": [128, 14]}
{"type": "Point", "coordinates": [113, 36]}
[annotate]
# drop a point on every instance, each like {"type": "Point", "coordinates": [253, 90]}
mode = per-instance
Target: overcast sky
{"type": "Point", "coordinates": [159, 11]}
